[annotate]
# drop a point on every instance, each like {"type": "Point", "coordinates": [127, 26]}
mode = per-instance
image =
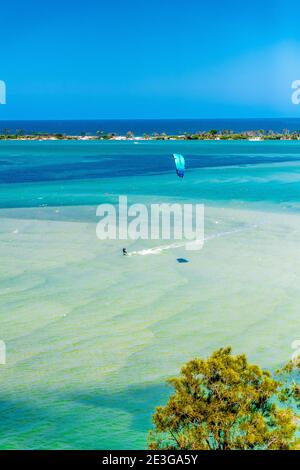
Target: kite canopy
{"type": "Point", "coordinates": [180, 164]}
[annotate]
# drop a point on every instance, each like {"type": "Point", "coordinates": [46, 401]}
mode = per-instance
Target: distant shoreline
{"type": "Point", "coordinates": [213, 134]}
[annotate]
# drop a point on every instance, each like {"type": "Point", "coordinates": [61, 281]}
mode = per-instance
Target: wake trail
{"type": "Point", "coordinates": [159, 249]}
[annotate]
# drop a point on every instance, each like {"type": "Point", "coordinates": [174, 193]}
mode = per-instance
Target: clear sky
{"type": "Point", "coordinates": [149, 58]}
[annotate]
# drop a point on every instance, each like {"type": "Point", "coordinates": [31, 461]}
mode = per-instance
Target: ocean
{"type": "Point", "coordinates": [149, 126]}
{"type": "Point", "coordinates": [91, 336]}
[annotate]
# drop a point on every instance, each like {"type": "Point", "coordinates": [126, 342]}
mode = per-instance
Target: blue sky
{"type": "Point", "coordinates": [149, 59]}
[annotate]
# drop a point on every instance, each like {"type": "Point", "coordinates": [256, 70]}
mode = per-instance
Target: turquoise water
{"type": "Point", "coordinates": [91, 336]}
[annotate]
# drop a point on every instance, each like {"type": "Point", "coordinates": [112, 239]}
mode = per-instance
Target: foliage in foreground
{"type": "Point", "coordinates": [225, 403]}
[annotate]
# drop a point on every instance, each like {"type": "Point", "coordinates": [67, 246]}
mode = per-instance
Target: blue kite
{"type": "Point", "coordinates": [180, 164]}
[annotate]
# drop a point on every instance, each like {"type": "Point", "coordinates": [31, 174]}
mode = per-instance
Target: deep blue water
{"type": "Point", "coordinates": [68, 173]}
{"type": "Point", "coordinates": [141, 126]}
{"type": "Point", "coordinates": [29, 162]}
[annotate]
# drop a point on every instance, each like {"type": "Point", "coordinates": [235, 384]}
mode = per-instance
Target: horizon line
{"type": "Point", "coordinates": [153, 119]}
